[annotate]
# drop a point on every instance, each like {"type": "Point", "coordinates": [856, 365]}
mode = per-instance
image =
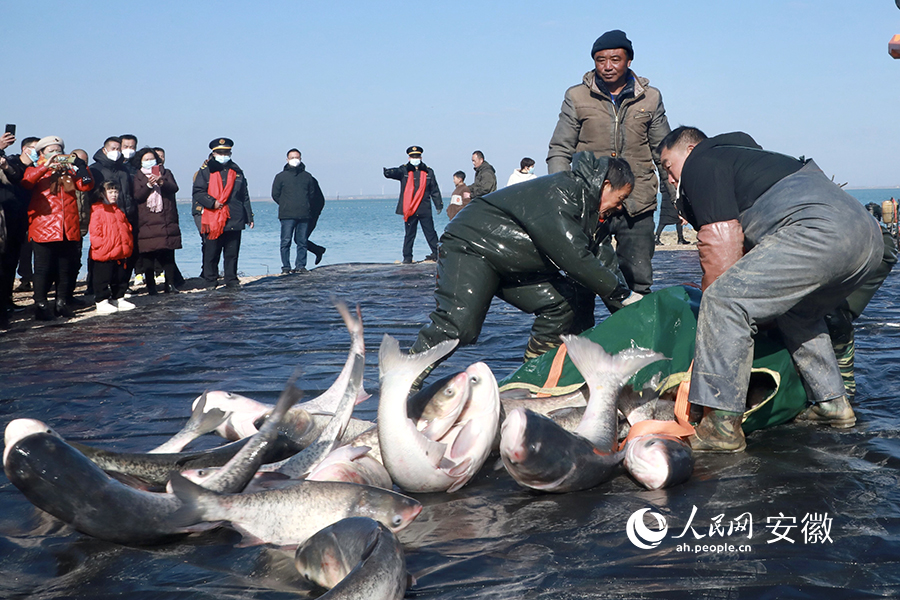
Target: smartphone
{"type": "Point", "coordinates": [155, 170]}
{"type": "Point", "coordinates": [11, 128]}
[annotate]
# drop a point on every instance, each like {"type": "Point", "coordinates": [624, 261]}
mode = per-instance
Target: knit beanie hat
{"type": "Point", "coordinates": [611, 40]}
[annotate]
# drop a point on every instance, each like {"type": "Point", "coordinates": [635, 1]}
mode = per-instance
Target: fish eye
{"type": "Point", "coordinates": [474, 380]}
{"type": "Point", "coordinates": [397, 521]}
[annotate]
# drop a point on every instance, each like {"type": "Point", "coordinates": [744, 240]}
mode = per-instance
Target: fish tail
{"type": "Point", "coordinates": [590, 357]}
{"type": "Point", "coordinates": [390, 357]}
{"type": "Point", "coordinates": [193, 507]}
{"type": "Point", "coordinates": [288, 398]}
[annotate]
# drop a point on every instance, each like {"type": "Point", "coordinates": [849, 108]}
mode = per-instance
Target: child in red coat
{"type": "Point", "coordinates": [111, 244]}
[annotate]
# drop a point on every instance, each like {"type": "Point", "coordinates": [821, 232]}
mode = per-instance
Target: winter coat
{"type": "Point", "coordinates": [518, 177]}
{"type": "Point", "coordinates": [157, 231]}
{"type": "Point", "coordinates": [485, 181]}
{"type": "Point", "coordinates": [432, 190]}
{"type": "Point", "coordinates": [458, 200]}
{"type": "Point", "coordinates": [104, 170]}
{"type": "Point", "coordinates": [53, 210]}
{"type": "Point", "coordinates": [589, 120]}
{"type": "Point", "coordinates": [297, 194]}
{"type": "Point", "coordinates": [537, 228]}
{"type": "Point", "coordinates": [239, 211]}
{"type": "Point", "coordinates": [111, 237]}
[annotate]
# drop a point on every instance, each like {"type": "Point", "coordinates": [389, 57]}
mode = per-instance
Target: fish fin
{"type": "Point", "coordinates": [390, 358]}
{"type": "Point", "coordinates": [248, 540]}
{"type": "Point", "coordinates": [590, 357]}
{"type": "Point", "coordinates": [190, 494]}
{"type": "Point", "coordinates": [465, 439]}
{"type": "Point", "coordinates": [363, 395]}
{"type": "Point", "coordinates": [434, 451]}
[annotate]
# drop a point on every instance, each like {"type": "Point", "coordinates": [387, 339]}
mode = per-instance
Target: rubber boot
{"type": "Point", "coordinates": [719, 431]}
{"type": "Point", "coordinates": [318, 254]}
{"type": "Point", "coordinates": [837, 413]}
{"type": "Point", "coordinates": [683, 241]}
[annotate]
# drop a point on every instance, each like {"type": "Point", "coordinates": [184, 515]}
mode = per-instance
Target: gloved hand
{"type": "Point", "coordinates": [632, 298]}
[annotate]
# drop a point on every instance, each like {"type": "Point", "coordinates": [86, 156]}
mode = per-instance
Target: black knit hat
{"type": "Point", "coordinates": [611, 40]}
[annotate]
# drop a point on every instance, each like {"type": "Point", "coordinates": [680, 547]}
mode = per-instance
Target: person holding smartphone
{"type": "Point", "coordinates": [159, 233]}
{"type": "Point", "coordinates": [54, 226]}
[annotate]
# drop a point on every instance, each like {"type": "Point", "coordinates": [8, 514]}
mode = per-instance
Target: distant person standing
{"type": "Point", "coordinates": [613, 112]}
{"type": "Point", "coordinates": [523, 173]}
{"type": "Point", "coordinates": [300, 201]}
{"type": "Point", "coordinates": [159, 232]}
{"type": "Point", "coordinates": [668, 215]}
{"type": "Point", "coordinates": [485, 176]}
{"type": "Point", "coordinates": [129, 147]}
{"type": "Point", "coordinates": [461, 195]}
{"type": "Point", "coordinates": [418, 187]}
{"type": "Point", "coordinates": [220, 188]}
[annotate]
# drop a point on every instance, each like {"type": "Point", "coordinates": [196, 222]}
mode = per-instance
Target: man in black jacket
{"type": "Point", "coordinates": [418, 187]}
{"type": "Point", "coordinates": [220, 189]}
{"type": "Point", "coordinates": [764, 222]}
{"type": "Point", "coordinates": [513, 244]}
{"type": "Point", "coordinates": [300, 201]}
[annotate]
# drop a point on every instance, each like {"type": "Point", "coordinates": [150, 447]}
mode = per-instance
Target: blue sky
{"type": "Point", "coordinates": [352, 84]}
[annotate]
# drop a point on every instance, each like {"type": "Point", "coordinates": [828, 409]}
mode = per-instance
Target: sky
{"type": "Point", "coordinates": [352, 84]}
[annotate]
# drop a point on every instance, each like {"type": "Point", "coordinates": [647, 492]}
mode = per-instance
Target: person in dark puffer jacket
{"type": "Point", "coordinates": [159, 233]}
{"type": "Point", "coordinates": [300, 201]}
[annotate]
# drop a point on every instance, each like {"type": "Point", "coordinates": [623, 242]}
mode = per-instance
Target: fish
{"type": "Point", "coordinates": [288, 517]}
{"type": "Point", "coordinates": [200, 423]}
{"type": "Point", "coordinates": [352, 464]}
{"type": "Point", "coordinates": [300, 464]}
{"type": "Point", "coordinates": [471, 439]}
{"type": "Point", "coordinates": [355, 558]}
{"type": "Point", "coordinates": [605, 375]}
{"type": "Point", "coordinates": [541, 455]}
{"type": "Point", "coordinates": [522, 398]}
{"type": "Point", "coordinates": [237, 472]}
{"type": "Point", "coordinates": [155, 468]}
{"type": "Point", "coordinates": [415, 462]}
{"type": "Point", "coordinates": [61, 481]}
{"type": "Point", "coordinates": [436, 407]}
{"type": "Point", "coordinates": [659, 461]}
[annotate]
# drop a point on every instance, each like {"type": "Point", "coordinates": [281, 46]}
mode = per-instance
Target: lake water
{"type": "Point", "coordinates": [353, 231]}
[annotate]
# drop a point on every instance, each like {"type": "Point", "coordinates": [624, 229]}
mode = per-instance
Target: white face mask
{"type": "Point", "coordinates": [530, 170]}
{"type": "Point", "coordinates": [128, 152]}
{"type": "Point", "coordinates": [222, 158]}
{"type": "Point", "coordinates": [415, 161]}
{"type": "Point", "coordinates": [148, 164]}
{"type": "Point", "coordinates": [113, 155]}
{"type": "Point", "coordinates": [294, 162]}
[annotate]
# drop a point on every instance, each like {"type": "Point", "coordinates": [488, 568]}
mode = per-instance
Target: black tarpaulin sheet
{"type": "Point", "coordinates": [824, 505]}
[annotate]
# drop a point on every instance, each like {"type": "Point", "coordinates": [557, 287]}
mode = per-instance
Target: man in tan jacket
{"type": "Point", "coordinates": [613, 112]}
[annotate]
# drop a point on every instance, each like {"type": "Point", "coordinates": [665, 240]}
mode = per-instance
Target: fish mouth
{"type": "Point", "coordinates": [512, 436]}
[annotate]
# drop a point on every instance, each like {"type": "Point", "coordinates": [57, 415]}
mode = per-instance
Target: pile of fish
{"type": "Point", "coordinates": [308, 476]}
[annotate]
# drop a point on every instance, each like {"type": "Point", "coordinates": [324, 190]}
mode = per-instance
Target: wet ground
{"type": "Point", "coordinates": [824, 505]}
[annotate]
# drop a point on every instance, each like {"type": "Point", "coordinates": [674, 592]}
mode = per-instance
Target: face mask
{"type": "Point", "coordinates": [222, 158]}
{"type": "Point", "coordinates": [52, 153]}
{"type": "Point", "coordinates": [33, 155]}
{"type": "Point", "coordinates": [294, 162]}
{"type": "Point", "coordinates": [128, 152]}
{"type": "Point", "coordinates": [148, 164]}
{"type": "Point", "coordinates": [530, 170]}
{"type": "Point", "coordinates": [113, 155]}
{"type": "Point", "coordinates": [415, 161]}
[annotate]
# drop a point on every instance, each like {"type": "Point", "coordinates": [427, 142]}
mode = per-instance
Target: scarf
{"type": "Point", "coordinates": [411, 199]}
{"type": "Point", "coordinates": [213, 220]}
{"type": "Point", "coordinates": [154, 202]}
